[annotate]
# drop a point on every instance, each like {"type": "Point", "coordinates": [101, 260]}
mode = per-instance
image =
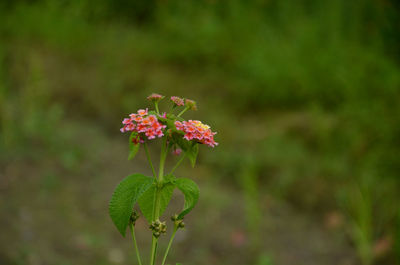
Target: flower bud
{"type": "Point", "coordinates": [191, 104]}
{"type": "Point", "coordinates": [174, 217]}
{"type": "Point", "coordinates": [155, 97]}
{"type": "Point", "coordinates": [134, 217]}
{"type": "Point", "coordinates": [158, 228]}
{"type": "Point", "coordinates": [177, 101]}
{"type": "Point", "coordinates": [178, 223]}
{"type": "Point", "coordinates": [176, 151]}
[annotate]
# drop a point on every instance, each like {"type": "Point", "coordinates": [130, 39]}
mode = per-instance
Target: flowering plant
{"type": "Point", "coordinates": [153, 194]}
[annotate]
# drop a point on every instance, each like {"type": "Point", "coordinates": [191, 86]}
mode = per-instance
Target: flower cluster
{"type": "Point", "coordinates": [194, 129]}
{"type": "Point", "coordinates": [178, 101]}
{"type": "Point", "coordinates": [155, 97]}
{"type": "Point", "coordinates": [141, 122]}
{"type": "Point", "coordinates": [191, 104]}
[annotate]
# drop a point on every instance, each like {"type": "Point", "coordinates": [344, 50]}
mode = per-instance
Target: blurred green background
{"type": "Point", "coordinates": [305, 96]}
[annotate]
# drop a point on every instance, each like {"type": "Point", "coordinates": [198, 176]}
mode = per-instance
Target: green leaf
{"type": "Point", "coordinates": [124, 198]}
{"type": "Point", "coordinates": [192, 153]}
{"type": "Point", "coordinates": [190, 148]}
{"type": "Point", "coordinates": [133, 148]}
{"type": "Point", "coordinates": [191, 192]}
{"type": "Point", "coordinates": [147, 200]}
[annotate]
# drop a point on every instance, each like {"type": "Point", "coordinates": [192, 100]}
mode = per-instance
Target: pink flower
{"type": "Point", "coordinates": [177, 101]}
{"type": "Point", "coordinates": [141, 122]}
{"type": "Point", "coordinates": [191, 104]}
{"type": "Point", "coordinates": [143, 112]}
{"type": "Point", "coordinates": [177, 151]}
{"type": "Point", "coordinates": [194, 129]}
{"type": "Point", "coordinates": [155, 97]}
{"type": "Point", "coordinates": [179, 125]}
{"type": "Point", "coordinates": [126, 121]}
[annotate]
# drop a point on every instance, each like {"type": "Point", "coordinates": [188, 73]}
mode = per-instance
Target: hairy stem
{"type": "Point", "coordinates": [135, 244]}
{"type": "Point", "coordinates": [169, 245]}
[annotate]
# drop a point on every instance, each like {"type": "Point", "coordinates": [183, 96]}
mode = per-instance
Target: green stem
{"type": "Point", "coordinates": [169, 245]}
{"type": "Point", "coordinates": [156, 106]}
{"type": "Point", "coordinates": [162, 160]}
{"type": "Point", "coordinates": [183, 111]}
{"type": "Point", "coordinates": [153, 250]}
{"type": "Point", "coordinates": [148, 158]}
{"type": "Point", "coordinates": [172, 109]}
{"type": "Point", "coordinates": [177, 164]}
{"type": "Point", "coordinates": [135, 244]}
{"type": "Point", "coordinates": [156, 205]}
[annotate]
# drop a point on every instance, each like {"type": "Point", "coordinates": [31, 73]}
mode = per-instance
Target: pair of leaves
{"type": "Point", "coordinates": [187, 186]}
{"type": "Point", "coordinates": [142, 189]}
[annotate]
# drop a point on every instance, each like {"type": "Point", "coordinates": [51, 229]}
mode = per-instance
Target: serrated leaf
{"type": "Point", "coordinates": [191, 192]}
{"type": "Point", "coordinates": [124, 198]}
{"type": "Point", "coordinates": [146, 201]}
{"type": "Point", "coordinates": [133, 148]}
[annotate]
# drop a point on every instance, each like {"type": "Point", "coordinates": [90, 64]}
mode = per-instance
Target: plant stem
{"type": "Point", "coordinates": [153, 250]}
{"type": "Point", "coordinates": [162, 160]}
{"type": "Point", "coordinates": [177, 164]}
{"type": "Point", "coordinates": [148, 158]}
{"type": "Point", "coordinates": [156, 106]}
{"type": "Point", "coordinates": [183, 111]}
{"type": "Point", "coordinates": [135, 244]}
{"type": "Point", "coordinates": [156, 205]}
{"type": "Point", "coordinates": [169, 245]}
{"type": "Point", "coordinates": [172, 109]}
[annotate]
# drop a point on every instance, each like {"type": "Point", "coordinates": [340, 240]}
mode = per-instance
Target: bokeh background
{"type": "Point", "coordinates": [305, 96]}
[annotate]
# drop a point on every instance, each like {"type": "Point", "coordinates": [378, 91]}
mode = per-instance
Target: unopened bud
{"type": "Point", "coordinates": [155, 97]}
{"type": "Point", "coordinates": [158, 228]}
{"type": "Point", "coordinates": [134, 217]}
{"type": "Point", "coordinates": [177, 101]}
{"type": "Point", "coordinates": [191, 104]}
{"type": "Point", "coordinates": [174, 217]}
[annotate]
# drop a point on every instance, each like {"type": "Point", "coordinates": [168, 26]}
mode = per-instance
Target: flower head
{"type": "Point", "coordinates": [177, 101]}
{"type": "Point", "coordinates": [191, 104]}
{"type": "Point", "coordinates": [198, 131]}
{"type": "Point", "coordinates": [155, 97]}
{"type": "Point", "coordinates": [142, 123]}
